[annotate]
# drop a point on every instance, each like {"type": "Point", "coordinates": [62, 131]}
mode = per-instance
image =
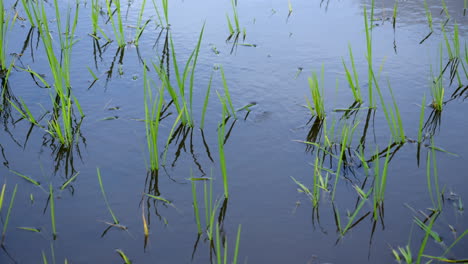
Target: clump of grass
{"type": "Point", "coordinates": [345, 138]}
{"type": "Point", "coordinates": [153, 106]}
{"type": "Point", "coordinates": [316, 90]}
{"type": "Point", "coordinates": [380, 182]}
{"type": "Point", "coordinates": [117, 26]}
{"type": "Point", "coordinates": [181, 102]}
{"type": "Point", "coordinates": [437, 87]}
{"type": "Point", "coordinates": [353, 80]}
{"type": "Point", "coordinates": [61, 124]}
{"type": "Point", "coordinates": [5, 25]}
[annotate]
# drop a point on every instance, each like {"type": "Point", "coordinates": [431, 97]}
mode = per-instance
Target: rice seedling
{"type": "Point", "coordinates": [7, 218]}
{"type": "Point", "coordinates": [27, 9]}
{"type": "Point", "coordinates": [195, 207]}
{"type": "Point", "coordinates": [380, 182]}
{"type": "Point", "coordinates": [222, 258]}
{"type": "Point", "coordinates": [445, 9]}
{"type": "Point", "coordinates": [428, 15]}
{"type": "Point", "coordinates": [117, 26]}
{"type": "Point", "coordinates": [140, 27]}
{"type": "Point", "coordinates": [353, 80]}
{"type": "Point", "coordinates": [95, 9]}
{"type": "Point", "coordinates": [427, 230]}
{"type": "Point", "coordinates": [52, 211]}
{"type": "Point", "coordinates": [235, 18]}
{"type": "Point", "coordinates": [368, 30]}
{"type": "Point", "coordinates": [421, 119]}
{"type": "Point", "coordinates": [69, 181]}
{"type": "Point", "coordinates": [123, 256]}
{"type": "Point", "coordinates": [222, 160]}
{"type": "Point", "coordinates": [319, 182]}
{"type": "Point", "coordinates": [392, 114]}
{"type": "Point", "coordinates": [153, 107]}
{"type": "Point", "coordinates": [227, 95]}
{"type": "Point", "coordinates": [405, 252]}
{"type": "Point", "coordinates": [437, 88]}
{"type": "Point", "coordinates": [433, 179]}
{"type": "Point", "coordinates": [345, 138]}
{"type": "Point", "coordinates": [182, 104]}
{"type": "Point", "coordinates": [2, 196]}
{"type": "Point", "coordinates": [395, 10]}
{"type": "Point", "coordinates": [116, 221]}
{"type": "Point", "coordinates": [290, 8]}
{"type": "Point", "coordinates": [316, 90]}
{"type": "Point", "coordinates": [63, 99]}
{"type": "Point", "coordinates": [5, 25]}
{"type": "Point", "coordinates": [205, 103]}
{"type": "Point", "coordinates": [165, 9]}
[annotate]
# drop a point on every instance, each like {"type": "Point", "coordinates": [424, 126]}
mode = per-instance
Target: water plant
{"type": "Point", "coordinates": [140, 27]}
{"type": "Point", "coordinates": [153, 106]}
{"type": "Point", "coordinates": [428, 15]}
{"type": "Point", "coordinates": [392, 114]}
{"type": "Point", "coordinates": [437, 87]}
{"type": "Point", "coordinates": [5, 25]}
{"type": "Point", "coordinates": [353, 80]}
{"type": "Point", "coordinates": [95, 9]}
{"type": "Point", "coordinates": [117, 24]}
{"type": "Point", "coordinates": [368, 30]}
{"type": "Point", "coordinates": [222, 159]}
{"type": "Point", "coordinates": [222, 256]}
{"type": "Point", "coordinates": [316, 91]}
{"type": "Point", "coordinates": [380, 181]}
{"type": "Point", "coordinates": [394, 16]}
{"type": "Point", "coordinates": [237, 29]}
{"type": "Point", "coordinates": [181, 102]}
{"type": "Point", "coordinates": [116, 221]}
{"type": "Point", "coordinates": [10, 207]}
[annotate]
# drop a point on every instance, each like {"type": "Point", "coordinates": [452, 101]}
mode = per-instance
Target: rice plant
{"type": "Point", "coordinates": [428, 15]}
{"type": "Point", "coordinates": [140, 27]}
{"type": "Point", "coordinates": [61, 124]}
{"type": "Point", "coordinates": [5, 25]}
{"type": "Point", "coordinates": [181, 102]}
{"type": "Point", "coordinates": [222, 160]}
{"type": "Point", "coordinates": [27, 9]}
{"type": "Point", "coordinates": [10, 207]}
{"type": "Point", "coordinates": [421, 120]}
{"type": "Point", "coordinates": [394, 16]}
{"type": "Point", "coordinates": [205, 103]}
{"type": "Point", "coordinates": [153, 106]}
{"type": "Point", "coordinates": [392, 114]}
{"type": "Point", "coordinates": [316, 90]}
{"type": "Point", "coordinates": [95, 9]}
{"type": "Point", "coordinates": [437, 87]}
{"type": "Point", "coordinates": [116, 221]}
{"type": "Point", "coordinates": [353, 80]}
{"type": "Point", "coordinates": [368, 30]}
{"type": "Point", "coordinates": [433, 181]}
{"type": "Point", "coordinates": [117, 24]}
{"type": "Point", "coordinates": [222, 255]}
{"type": "Point", "coordinates": [237, 28]}
{"type": "Point", "coordinates": [345, 138]}
{"type": "Point", "coordinates": [380, 182]}
{"type": "Point", "coordinates": [227, 96]}
{"type": "Point", "coordinates": [52, 211]}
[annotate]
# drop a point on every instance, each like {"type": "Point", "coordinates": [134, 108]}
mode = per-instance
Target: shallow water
{"type": "Point", "coordinates": [279, 225]}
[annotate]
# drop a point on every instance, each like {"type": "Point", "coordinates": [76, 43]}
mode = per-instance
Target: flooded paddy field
{"type": "Point", "coordinates": [157, 131]}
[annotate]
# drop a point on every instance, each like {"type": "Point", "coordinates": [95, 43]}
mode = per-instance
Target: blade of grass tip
{"type": "Point", "coordinates": [32, 229]}
{"type": "Point", "coordinates": [195, 206]}
{"type": "Point", "coordinates": [205, 103]}
{"type": "Point", "coordinates": [123, 256]}
{"type": "Point", "coordinates": [159, 198]}
{"type": "Point", "coordinates": [65, 184]}
{"type": "Point", "coordinates": [2, 196]}
{"type": "Point", "coordinates": [226, 91]}
{"type": "Point", "coordinates": [105, 197]}
{"type": "Point", "coordinates": [52, 211]}
{"type": "Point", "coordinates": [7, 218]}
{"type": "Point", "coordinates": [236, 250]}
{"type": "Point", "coordinates": [145, 224]}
